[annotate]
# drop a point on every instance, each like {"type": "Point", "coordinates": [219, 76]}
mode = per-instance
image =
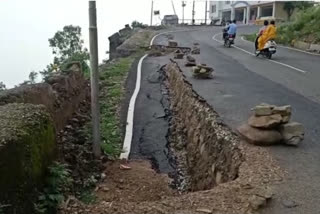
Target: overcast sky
{"type": "Point", "coordinates": [26, 26]}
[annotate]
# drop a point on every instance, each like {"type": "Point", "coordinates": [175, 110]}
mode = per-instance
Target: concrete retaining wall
{"type": "Point", "coordinates": [307, 46]}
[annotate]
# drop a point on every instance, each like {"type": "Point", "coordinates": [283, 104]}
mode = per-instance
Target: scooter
{"type": "Point", "coordinates": [268, 50]}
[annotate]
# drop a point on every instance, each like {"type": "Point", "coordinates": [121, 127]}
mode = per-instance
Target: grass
{"type": "Point", "coordinates": [250, 37]}
{"type": "Point", "coordinates": [112, 78]}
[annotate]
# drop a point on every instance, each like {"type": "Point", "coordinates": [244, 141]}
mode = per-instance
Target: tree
{"type": "Point", "coordinates": [2, 86]}
{"type": "Point", "coordinates": [136, 24]}
{"type": "Point", "coordinates": [67, 46]}
{"type": "Point", "coordinates": [303, 5]}
{"type": "Point", "coordinates": [32, 77]}
{"type": "Point", "coordinates": [290, 6]}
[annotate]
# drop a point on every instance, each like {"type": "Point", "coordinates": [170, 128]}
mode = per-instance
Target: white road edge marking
{"type": "Point", "coordinates": [129, 127]}
{"type": "Point", "coordinates": [290, 48]}
{"type": "Point", "coordinates": [276, 62]}
{"type": "Point", "coordinates": [130, 115]}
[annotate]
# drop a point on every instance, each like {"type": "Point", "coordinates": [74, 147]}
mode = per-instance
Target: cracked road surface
{"type": "Point", "coordinates": [151, 122]}
{"type": "Point", "coordinates": [243, 81]}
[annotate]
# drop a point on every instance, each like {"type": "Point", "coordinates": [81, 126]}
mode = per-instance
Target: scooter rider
{"type": "Point", "coordinates": [268, 34]}
{"type": "Point", "coordinates": [262, 29]}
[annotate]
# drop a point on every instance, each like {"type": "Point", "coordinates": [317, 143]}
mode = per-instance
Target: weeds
{"type": "Point", "coordinates": [250, 37]}
{"type": "Point", "coordinates": [88, 197]}
{"type": "Point", "coordinates": [112, 78]}
{"type": "Point", "coordinates": [58, 182]}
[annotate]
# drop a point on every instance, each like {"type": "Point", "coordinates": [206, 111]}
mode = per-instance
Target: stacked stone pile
{"type": "Point", "coordinates": [202, 71]}
{"type": "Point", "coordinates": [172, 44]}
{"type": "Point", "coordinates": [195, 49]}
{"type": "Point", "coordinates": [178, 54]}
{"type": "Point", "coordinates": [271, 125]}
{"type": "Point", "coordinates": [190, 61]}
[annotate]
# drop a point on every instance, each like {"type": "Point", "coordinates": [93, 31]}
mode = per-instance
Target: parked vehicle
{"type": "Point", "coordinates": [269, 49]}
{"type": "Point", "coordinates": [170, 20]}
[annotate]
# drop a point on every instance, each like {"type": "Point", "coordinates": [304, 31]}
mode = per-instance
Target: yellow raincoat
{"type": "Point", "coordinates": [269, 33]}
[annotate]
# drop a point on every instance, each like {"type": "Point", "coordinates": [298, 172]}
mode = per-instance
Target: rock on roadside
{"type": "Point", "coordinates": [293, 133]}
{"type": "Point", "coordinates": [172, 43]}
{"type": "Point", "coordinates": [265, 122]}
{"type": "Point", "coordinates": [259, 137]}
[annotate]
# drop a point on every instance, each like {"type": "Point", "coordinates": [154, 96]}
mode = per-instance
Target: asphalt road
{"type": "Point", "coordinates": [243, 81]}
{"type": "Point", "coordinates": [151, 120]}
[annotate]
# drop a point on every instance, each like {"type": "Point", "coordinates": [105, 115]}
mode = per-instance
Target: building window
{"type": "Point", "coordinates": [266, 11]}
{"type": "Point", "coordinates": [227, 2]}
{"type": "Point", "coordinates": [213, 8]}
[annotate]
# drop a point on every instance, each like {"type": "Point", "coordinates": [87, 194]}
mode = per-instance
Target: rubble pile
{"type": "Point", "coordinates": [202, 71]}
{"type": "Point", "coordinates": [271, 125]}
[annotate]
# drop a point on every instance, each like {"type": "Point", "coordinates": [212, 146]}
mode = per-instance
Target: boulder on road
{"type": "Point", "coordinates": [196, 69]}
{"type": "Point", "coordinates": [191, 59]}
{"type": "Point", "coordinates": [178, 55]}
{"type": "Point", "coordinates": [266, 122]}
{"type": "Point", "coordinates": [282, 110]}
{"type": "Point", "coordinates": [263, 109]}
{"type": "Point", "coordinates": [260, 137]}
{"type": "Point", "coordinates": [172, 44]}
{"type": "Point", "coordinates": [292, 133]}
{"type": "Point", "coordinates": [195, 50]}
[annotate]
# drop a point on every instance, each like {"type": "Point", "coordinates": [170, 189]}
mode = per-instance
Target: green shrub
{"type": "Point", "coordinates": [305, 27]}
{"type": "Point", "coordinates": [136, 24]}
{"type": "Point", "coordinates": [58, 182]}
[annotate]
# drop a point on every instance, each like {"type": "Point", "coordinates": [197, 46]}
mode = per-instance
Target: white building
{"type": "Point", "coordinates": [246, 12]}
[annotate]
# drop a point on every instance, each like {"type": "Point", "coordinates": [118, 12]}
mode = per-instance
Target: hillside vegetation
{"type": "Point", "coordinates": [305, 27]}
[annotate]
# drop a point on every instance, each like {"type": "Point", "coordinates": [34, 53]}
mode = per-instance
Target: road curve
{"type": "Point", "coordinates": [243, 81]}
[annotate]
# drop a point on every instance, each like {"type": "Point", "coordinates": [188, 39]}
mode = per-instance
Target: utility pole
{"type": "Point", "coordinates": [206, 12]}
{"type": "Point", "coordinates": [174, 10]}
{"type": "Point", "coordinates": [183, 5]}
{"type": "Point", "coordinates": [95, 109]}
{"type": "Point", "coordinates": [151, 13]}
{"type": "Point", "coordinates": [193, 12]}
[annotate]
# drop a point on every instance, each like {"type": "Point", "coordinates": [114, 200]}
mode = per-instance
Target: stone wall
{"type": "Point", "coordinates": [117, 39]}
{"type": "Point", "coordinates": [210, 147]}
{"type": "Point", "coordinates": [30, 118]}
